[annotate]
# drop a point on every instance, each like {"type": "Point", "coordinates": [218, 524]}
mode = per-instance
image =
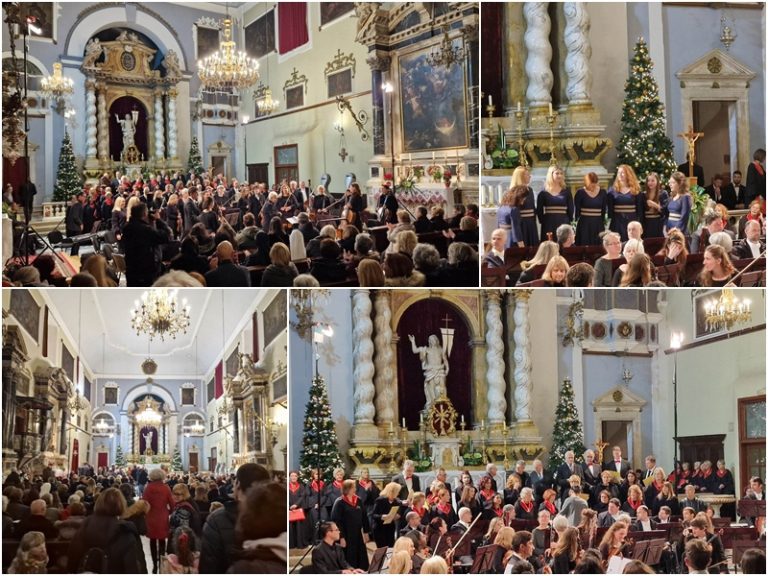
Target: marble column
{"type": "Point", "coordinates": [497, 404]}
{"type": "Point", "coordinates": [90, 119]}
{"type": "Point", "coordinates": [537, 64]}
{"type": "Point", "coordinates": [384, 380]}
{"type": "Point", "coordinates": [515, 80]}
{"type": "Point", "coordinates": [159, 127]}
{"type": "Point", "coordinates": [362, 353]}
{"type": "Point", "coordinates": [103, 120]}
{"type": "Point", "coordinates": [173, 150]}
{"type": "Point", "coordinates": [379, 63]}
{"type": "Point", "coordinates": [521, 337]}
{"type": "Point", "coordinates": [579, 51]}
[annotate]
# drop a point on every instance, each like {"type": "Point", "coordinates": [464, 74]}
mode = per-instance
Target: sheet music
{"type": "Point", "coordinates": [391, 515]}
{"type": "Point", "coordinates": [616, 565]}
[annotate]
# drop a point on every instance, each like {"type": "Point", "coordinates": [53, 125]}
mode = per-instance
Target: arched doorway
{"type": "Point", "coordinates": [120, 108]}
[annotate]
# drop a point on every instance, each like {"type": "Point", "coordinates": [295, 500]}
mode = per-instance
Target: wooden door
{"type": "Point", "coordinates": [751, 440]}
{"type": "Point", "coordinates": [193, 462]}
{"type": "Point", "coordinates": [258, 173]}
{"type": "Point", "coordinates": [103, 460]}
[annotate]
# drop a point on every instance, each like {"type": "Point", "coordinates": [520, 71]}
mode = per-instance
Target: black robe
{"type": "Point", "coordinates": [328, 559]}
{"type": "Point", "coordinates": [298, 532]}
{"type": "Point", "coordinates": [352, 523]}
{"type": "Point", "coordinates": [384, 534]}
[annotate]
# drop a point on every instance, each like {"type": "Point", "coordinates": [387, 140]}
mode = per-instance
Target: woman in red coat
{"type": "Point", "coordinates": [161, 502]}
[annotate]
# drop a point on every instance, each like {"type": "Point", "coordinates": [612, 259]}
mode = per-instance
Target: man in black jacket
{"type": "Point", "coordinates": [141, 241]}
{"type": "Point", "coordinates": [328, 557]}
{"type": "Point", "coordinates": [28, 191]}
{"type": "Point", "coordinates": [407, 480]}
{"type": "Point", "coordinates": [755, 178]}
{"type": "Point", "coordinates": [227, 273]}
{"type": "Point", "coordinates": [73, 220]}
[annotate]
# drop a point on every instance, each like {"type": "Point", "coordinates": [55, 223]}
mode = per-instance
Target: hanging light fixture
{"type": "Point", "coordinates": [227, 69]}
{"type": "Point", "coordinates": [56, 88]}
{"type": "Point", "coordinates": [159, 314]}
{"type": "Point", "coordinates": [727, 311]}
{"type": "Point", "coordinates": [148, 413]}
{"type": "Point", "coordinates": [263, 96]}
{"type": "Point", "coordinates": [448, 54]}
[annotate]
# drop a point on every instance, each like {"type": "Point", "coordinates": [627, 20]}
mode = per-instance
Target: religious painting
{"type": "Point", "coordinates": [330, 11]}
{"type": "Point", "coordinates": [275, 317]}
{"type": "Point", "coordinates": [207, 41]}
{"type": "Point", "coordinates": [67, 362]}
{"type": "Point", "coordinates": [340, 83]}
{"type": "Point", "coordinates": [187, 396]}
{"type": "Point", "coordinates": [110, 395]}
{"type": "Point", "coordinates": [86, 388]}
{"type": "Point", "coordinates": [260, 35]}
{"type": "Point", "coordinates": [280, 388]}
{"type": "Point", "coordinates": [233, 362]}
{"type": "Point", "coordinates": [701, 331]}
{"type": "Point", "coordinates": [24, 308]}
{"type": "Point", "coordinates": [433, 103]}
{"type": "Point", "coordinates": [211, 390]}
{"type": "Point", "coordinates": [43, 13]}
{"type": "Point", "coordinates": [294, 97]}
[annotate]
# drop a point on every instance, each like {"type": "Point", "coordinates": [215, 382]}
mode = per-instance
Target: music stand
{"type": "Point", "coordinates": [483, 563]}
{"type": "Point", "coordinates": [675, 532]}
{"type": "Point", "coordinates": [654, 550]}
{"type": "Point", "coordinates": [639, 550]}
{"type": "Point", "coordinates": [378, 559]}
{"type": "Point", "coordinates": [749, 508]}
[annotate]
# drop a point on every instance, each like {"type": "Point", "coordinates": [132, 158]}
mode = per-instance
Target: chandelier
{"type": "Point", "coordinates": [56, 88]}
{"type": "Point", "coordinates": [448, 54]}
{"type": "Point", "coordinates": [148, 413]}
{"type": "Point", "coordinates": [303, 303]}
{"type": "Point", "coordinates": [227, 69]}
{"type": "Point", "coordinates": [264, 101]}
{"type": "Point", "coordinates": [727, 311]}
{"type": "Point", "coordinates": [159, 314]}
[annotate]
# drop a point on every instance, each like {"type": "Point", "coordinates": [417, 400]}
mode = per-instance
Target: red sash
{"type": "Point", "coordinates": [444, 508]}
{"type": "Point", "coordinates": [721, 473]}
{"type": "Point", "coordinates": [633, 505]}
{"type": "Point", "coordinates": [317, 485]}
{"type": "Point", "coordinates": [338, 484]}
{"type": "Point", "coordinates": [351, 500]}
{"type": "Point", "coordinates": [758, 167]}
{"type": "Point", "coordinates": [549, 506]}
{"type": "Point", "coordinates": [294, 486]}
{"type": "Point", "coordinates": [527, 507]}
{"type": "Point", "coordinates": [364, 483]}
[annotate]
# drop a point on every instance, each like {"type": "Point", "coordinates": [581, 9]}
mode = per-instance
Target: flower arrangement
{"type": "Point", "coordinates": [435, 172]}
{"type": "Point", "coordinates": [421, 461]}
{"type": "Point", "coordinates": [472, 456]}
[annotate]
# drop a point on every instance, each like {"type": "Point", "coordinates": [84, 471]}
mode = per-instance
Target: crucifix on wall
{"type": "Point", "coordinates": [690, 138]}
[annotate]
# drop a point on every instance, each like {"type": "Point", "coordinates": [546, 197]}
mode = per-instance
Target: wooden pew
{"type": "Point", "coordinates": [493, 277]}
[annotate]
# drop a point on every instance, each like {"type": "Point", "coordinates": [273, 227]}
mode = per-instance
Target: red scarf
{"type": "Point", "coordinates": [527, 507]}
{"type": "Point", "coordinates": [758, 167]}
{"type": "Point", "coordinates": [420, 511]}
{"type": "Point", "coordinates": [499, 512]}
{"type": "Point", "coordinates": [444, 508]}
{"type": "Point", "coordinates": [317, 485]}
{"type": "Point", "coordinates": [633, 505]}
{"type": "Point", "coordinates": [432, 499]}
{"type": "Point", "coordinates": [721, 473]}
{"type": "Point", "coordinates": [707, 474]}
{"type": "Point", "coordinates": [351, 500]}
{"type": "Point", "coordinates": [658, 486]}
{"type": "Point", "coordinates": [338, 484]}
{"type": "Point", "coordinates": [488, 494]}
{"type": "Point", "coordinates": [294, 486]}
{"type": "Point", "coordinates": [549, 506]}
{"type": "Point", "coordinates": [364, 483]}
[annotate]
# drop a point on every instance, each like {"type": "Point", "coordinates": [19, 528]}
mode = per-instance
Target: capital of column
{"type": "Point", "coordinates": [379, 62]}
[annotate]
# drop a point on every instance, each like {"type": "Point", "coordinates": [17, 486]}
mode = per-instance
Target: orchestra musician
{"type": "Point", "coordinates": [319, 201]}
{"type": "Point", "coordinates": [328, 557]}
{"type": "Point", "coordinates": [386, 208]}
{"type": "Point", "coordinates": [287, 204]}
{"type": "Point", "coordinates": [613, 543]}
{"type": "Point", "coordinates": [354, 206]}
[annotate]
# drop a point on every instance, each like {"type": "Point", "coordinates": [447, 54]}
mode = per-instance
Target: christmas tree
{"type": "Point", "coordinates": [68, 182]}
{"type": "Point", "coordinates": [176, 464]}
{"type": "Point", "coordinates": [119, 457]}
{"type": "Point", "coordinates": [644, 144]}
{"type": "Point", "coordinates": [568, 433]}
{"type": "Point", "coordinates": [195, 162]}
{"type": "Point", "coordinates": [320, 445]}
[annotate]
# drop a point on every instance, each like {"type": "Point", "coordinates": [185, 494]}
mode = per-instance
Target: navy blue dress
{"type": "Point", "coordinates": [590, 213]}
{"type": "Point", "coordinates": [528, 224]}
{"type": "Point", "coordinates": [508, 218]}
{"type": "Point", "coordinates": [678, 210]}
{"type": "Point", "coordinates": [553, 211]}
{"type": "Point", "coordinates": [623, 209]}
{"type": "Point", "coordinates": [653, 220]}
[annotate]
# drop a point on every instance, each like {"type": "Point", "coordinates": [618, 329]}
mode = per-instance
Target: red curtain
{"type": "Point", "coordinates": [423, 319]}
{"type": "Point", "coordinates": [292, 25]}
{"type": "Point", "coordinates": [103, 461]}
{"type": "Point", "coordinates": [75, 454]}
{"type": "Point", "coordinates": [219, 380]}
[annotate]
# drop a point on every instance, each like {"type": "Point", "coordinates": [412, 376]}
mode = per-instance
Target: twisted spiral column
{"type": "Point", "coordinates": [159, 127]}
{"type": "Point", "coordinates": [521, 336]}
{"type": "Point", "coordinates": [579, 51]}
{"type": "Point", "coordinates": [537, 65]}
{"type": "Point", "coordinates": [363, 357]}
{"type": "Point", "coordinates": [90, 115]}
{"type": "Point", "coordinates": [103, 121]}
{"type": "Point", "coordinates": [385, 376]}
{"type": "Point", "coordinates": [173, 151]}
{"type": "Point", "coordinates": [497, 404]}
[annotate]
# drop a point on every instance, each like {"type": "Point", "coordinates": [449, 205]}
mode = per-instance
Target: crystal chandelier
{"type": "Point", "coordinates": [727, 311]}
{"type": "Point", "coordinates": [159, 314]}
{"type": "Point", "coordinates": [448, 54]}
{"type": "Point", "coordinates": [264, 100]}
{"type": "Point", "coordinates": [227, 69]}
{"type": "Point", "coordinates": [56, 88]}
{"type": "Point", "coordinates": [148, 413]}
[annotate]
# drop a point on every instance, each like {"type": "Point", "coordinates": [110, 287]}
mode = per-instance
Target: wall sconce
{"type": "Point", "coordinates": [727, 35]}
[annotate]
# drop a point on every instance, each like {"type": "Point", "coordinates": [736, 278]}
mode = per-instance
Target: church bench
{"type": "Point", "coordinates": [652, 245]}
{"type": "Point", "coordinates": [348, 283]}
{"type": "Point", "coordinates": [593, 253]}
{"type": "Point", "coordinates": [574, 254]}
{"type": "Point", "coordinates": [57, 554]}
{"type": "Point", "coordinates": [493, 277]}
{"type": "Point", "coordinates": [256, 272]}
{"type": "Point", "coordinates": [754, 279]}
{"type": "Point", "coordinates": [693, 265]}
{"type": "Point", "coordinates": [669, 274]}
{"type": "Point", "coordinates": [533, 284]}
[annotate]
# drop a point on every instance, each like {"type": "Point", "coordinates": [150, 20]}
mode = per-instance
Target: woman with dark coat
{"type": "Point", "coordinates": [367, 490]}
{"type": "Point", "coordinates": [298, 500]}
{"type": "Point", "coordinates": [161, 503]}
{"type": "Point", "coordinates": [384, 534]}
{"type": "Point", "coordinates": [348, 514]}
{"type": "Point", "coordinates": [260, 531]}
{"type": "Point", "coordinates": [185, 512]}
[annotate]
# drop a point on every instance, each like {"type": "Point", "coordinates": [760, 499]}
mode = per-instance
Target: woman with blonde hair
{"type": "Point", "coordinates": [566, 552]}
{"type": "Point", "coordinates": [96, 266]}
{"type": "Point", "coordinates": [679, 206]}
{"type": "Point", "coordinates": [546, 251]}
{"type": "Point", "coordinates": [118, 217]}
{"type": "Point", "coordinates": [631, 247]}
{"type": "Point", "coordinates": [31, 555]}
{"type": "Point", "coordinates": [625, 201]}
{"type": "Point", "coordinates": [613, 543]}
{"type": "Point", "coordinates": [132, 201]}
{"type": "Point", "coordinates": [401, 562]}
{"type": "Point", "coordinates": [434, 565]}
{"type": "Point", "coordinates": [528, 227]}
{"type": "Point", "coordinates": [555, 272]}
{"type": "Point", "coordinates": [554, 203]}
{"type": "Point", "coordinates": [281, 271]}
{"type": "Point", "coordinates": [604, 265]}
{"type": "Point", "coordinates": [718, 269]}
{"type": "Point", "coordinates": [504, 542]}
{"type": "Point", "coordinates": [508, 215]}
{"type": "Point", "coordinates": [370, 273]}
{"type": "Point", "coordinates": [384, 534]}
{"type": "Point", "coordinates": [638, 272]}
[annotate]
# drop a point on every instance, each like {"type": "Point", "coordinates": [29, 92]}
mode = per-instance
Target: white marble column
{"type": "Point", "coordinates": [384, 380]}
{"type": "Point", "coordinates": [173, 151]}
{"type": "Point", "coordinates": [90, 118]}
{"type": "Point", "coordinates": [362, 353]}
{"type": "Point", "coordinates": [521, 336]}
{"type": "Point", "coordinates": [159, 127]}
{"type": "Point", "coordinates": [494, 355]}
{"type": "Point", "coordinates": [103, 121]}
{"type": "Point", "coordinates": [537, 65]}
{"type": "Point", "coordinates": [576, 37]}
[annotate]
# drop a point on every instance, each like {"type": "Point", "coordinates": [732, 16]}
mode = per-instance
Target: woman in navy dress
{"type": "Point", "coordinates": [624, 201]}
{"type": "Point", "coordinates": [528, 225]}
{"type": "Point", "coordinates": [555, 203]}
{"type": "Point", "coordinates": [590, 203]}
{"type": "Point", "coordinates": [656, 199]}
{"type": "Point", "coordinates": [679, 206]}
{"type": "Point", "coordinates": [508, 215]}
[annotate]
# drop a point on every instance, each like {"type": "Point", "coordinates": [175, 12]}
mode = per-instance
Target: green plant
{"type": "Point", "coordinates": [568, 433]}
{"type": "Point", "coordinates": [320, 445]}
{"type": "Point", "coordinates": [699, 201]}
{"type": "Point", "coordinates": [68, 181]}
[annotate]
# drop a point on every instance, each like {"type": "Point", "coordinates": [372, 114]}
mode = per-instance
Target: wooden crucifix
{"type": "Point", "coordinates": [690, 138]}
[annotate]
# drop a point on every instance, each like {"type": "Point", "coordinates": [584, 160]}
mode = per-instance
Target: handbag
{"type": "Point", "coordinates": [296, 515]}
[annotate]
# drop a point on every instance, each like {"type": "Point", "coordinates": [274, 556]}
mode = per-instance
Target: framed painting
{"type": "Point", "coordinates": [110, 395]}
{"type": "Point", "coordinates": [86, 388]}
{"type": "Point", "coordinates": [339, 83]}
{"type": "Point", "coordinates": [294, 97]}
{"type": "Point", "coordinates": [207, 41]}
{"type": "Point", "coordinates": [280, 388]}
{"type": "Point", "coordinates": [433, 103]}
{"type": "Point", "coordinates": [330, 11]}
{"type": "Point", "coordinates": [260, 35]}
{"type": "Point", "coordinates": [701, 330]}
{"type": "Point", "coordinates": [211, 390]}
{"type": "Point", "coordinates": [24, 308]}
{"type": "Point", "coordinates": [67, 362]}
{"type": "Point", "coordinates": [275, 317]}
{"type": "Point", "coordinates": [187, 396]}
{"type": "Point", "coordinates": [233, 362]}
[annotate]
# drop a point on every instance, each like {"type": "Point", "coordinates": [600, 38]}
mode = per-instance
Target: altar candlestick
{"type": "Point", "coordinates": [550, 108]}
{"type": "Point", "coordinates": [490, 100]}
{"type": "Point", "coordinates": [403, 422]}
{"type": "Point", "coordinates": [519, 106]}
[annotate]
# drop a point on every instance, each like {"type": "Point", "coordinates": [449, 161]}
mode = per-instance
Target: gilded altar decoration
{"type": "Point", "coordinates": [442, 417]}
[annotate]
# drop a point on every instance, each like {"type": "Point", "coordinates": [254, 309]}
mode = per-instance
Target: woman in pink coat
{"type": "Point", "coordinates": [161, 502]}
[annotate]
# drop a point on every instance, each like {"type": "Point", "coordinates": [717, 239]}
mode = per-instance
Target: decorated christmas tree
{"type": "Point", "coordinates": [320, 446]}
{"type": "Point", "coordinates": [68, 182]}
{"type": "Point", "coordinates": [644, 144]}
{"type": "Point", "coordinates": [176, 464]}
{"type": "Point", "coordinates": [119, 457]}
{"type": "Point", "coordinates": [195, 162]}
{"type": "Point", "coordinates": [568, 433]}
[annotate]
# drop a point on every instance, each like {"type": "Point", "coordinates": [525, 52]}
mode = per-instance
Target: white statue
{"type": "Point", "coordinates": [128, 126]}
{"type": "Point", "coordinates": [148, 439]}
{"type": "Point", "coordinates": [434, 362]}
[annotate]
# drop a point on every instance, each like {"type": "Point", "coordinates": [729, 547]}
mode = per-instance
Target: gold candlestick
{"type": "Point", "coordinates": [519, 115]}
{"type": "Point", "coordinates": [504, 431]}
{"type": "Point", "coordinates": [392, 467]}
{"type": "Point", "coordinates": [490, 109]}
{"type": "Point", "coordinates": [551, 119]}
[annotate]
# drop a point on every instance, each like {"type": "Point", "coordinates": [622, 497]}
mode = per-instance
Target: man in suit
{"type": "Point", "coordinates": [643, 522]}
{"type": "Point", "coordinates": [755, 178]}
{"type": "Point", "coordinates": [520, 471]}
{"type": "Point", "coordinates": [619, 464]}
{"type": "Point", "coordinates": [27, 192]}
{"type": "Point", "coordinates": [650, 466]}
{"type": "Point", "coordinates": [691, 501]}
{"type": "Point", "coordinates": [494, 258]}
{"type": "Point", "coordinates": [227, 273]}
{"type": "Point", "coordinates": [733, 194]}
{"type": "Point", "coordinates": [522, 549]}
{"type": "Point", "coordinates": [412, 522]}
{"type": "Point", "coordinates": [565, 471]}
{"type": "Point", "coordinates": [698, 171]}
{"type": "Point", "coordinates": [756, 492]}
{"type": "Point", "coordinates": [606, 519]}
{"type": "Point", "coordinates": [142, 238]}
{"type": "Point", "coordinates": [590, 470]}
{"type": "Point", "coordinates": [328, 557]}
{"type": "Point", "coordinates": [715, 190]}
{"type": "Point", "coordinates": [465, 519]}
{"type": "Point", "coordinates": [441, 476]}
{"type": "Point", "coordinates": [408, 481]}
{"type": "Point", "coordinates": [751, 246]}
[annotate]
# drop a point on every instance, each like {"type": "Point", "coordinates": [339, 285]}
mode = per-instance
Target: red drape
{"type": "Point", "coordinates": [219, 380]}
{"type": "Point", "coordinates": [292, 25]}
{"type": "Point", "coordinates": [423, 319]}
{"type": "Point", "coordinates": [75, 454]}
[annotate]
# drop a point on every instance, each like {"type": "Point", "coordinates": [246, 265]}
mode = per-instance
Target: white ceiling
{"type": "Point", "coordinates": [100, 321]}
